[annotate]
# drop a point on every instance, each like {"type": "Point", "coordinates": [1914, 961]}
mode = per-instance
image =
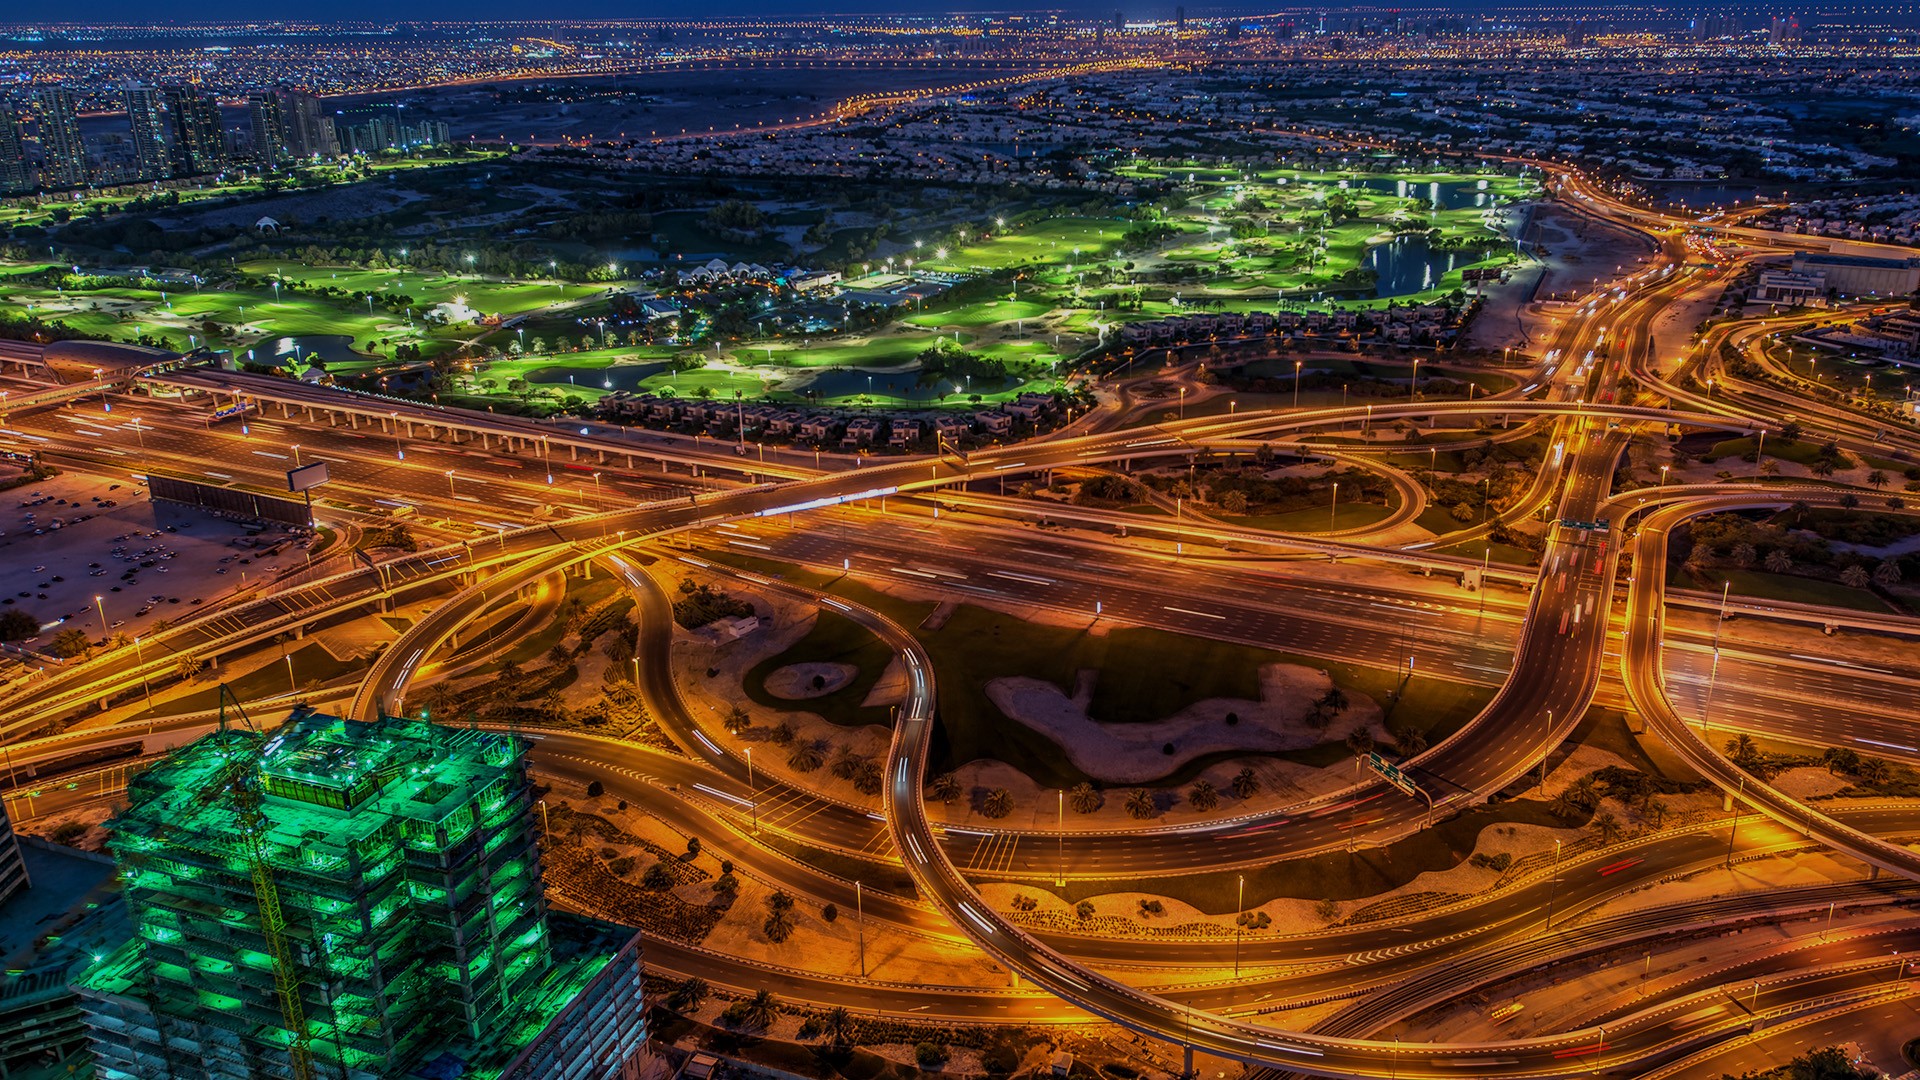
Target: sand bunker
{"type": "Point", "coordinates": [796, 682]}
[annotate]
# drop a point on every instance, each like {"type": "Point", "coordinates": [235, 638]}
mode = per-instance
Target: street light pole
{"type": "Point", "coordinates": [1546, 751]}
{"type": "Point", "coordinates": [860, 921]}
{"type": "Point", "coordinates": [1060, 839]}
{"type": "Point", "coordinates": [1551, 883]}
{"type": "Point", "coordinates": [753, 799]}
{"type": "Point", "coordinates": [1239, 923]}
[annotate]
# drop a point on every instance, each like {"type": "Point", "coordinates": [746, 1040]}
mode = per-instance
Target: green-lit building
{"type": "Point", "coordinates": [373, 887]}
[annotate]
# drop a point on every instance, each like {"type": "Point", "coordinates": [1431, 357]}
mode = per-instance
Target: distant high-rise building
{"type": "Point", "coordinates": [1180, 19]}
{"type": "Point", "coordinates": [373, 129]}
{"type": "Point", "coordinates": [146, 115]}
{"type": "Point", "coordinates": [199, 144]}
{"type": "Point", "coordinates": [16, 173]}
{"type": "Point", "coordinates": [269, 129]}
{"type": "Point", "coordinates": [351, 901]}
{"type": "Point", "coordinates": [1119, 22]}
{"type": "Point", "coordinates": [62, 151]}
{"type": "Point", "coordinates": [308, 127]}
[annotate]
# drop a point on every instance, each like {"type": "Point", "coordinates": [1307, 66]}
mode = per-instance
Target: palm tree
{"type": "Point", "coordinates": [1202, 796]}
{"type": "Point", "coordinates": [1409, 741]}
{"type": "Point", "coordinates": [1778, 561]}
{"type": "Point", "coordinates": [1822, 467]}
{"type": "Point", "coordinates": [1855, 577]}
{"type": "Point", "coordinates": [838, 1025]}
{"type": "Point", "coordinates": [72, 642]}
{"type": "Point", "coordinates": [1742, 750]}
{"type": "Point", "coordinates": [1887, 574]}
{"type": "Point", "coordinates": [846, 763]}
{"type": "Point", "coordinates": [1245, 784]}
{"type": "Point", "coordinates": [1744, 554]}
{"type": "Point", "coordinates": [945, 787]}
{"type": "Point", "coordinates": [558, 655]}
{"type": "Point", "coordinates": [1877, 479]}
{"type": "Point", "coordinates": [688, 995]}
{"type": "Point", "coordinates": [440, 700]}
{"type": "Point", "coordinates": [1564, 805]}
{"type": "Point", "coordinates": [1140, 804]}
{"type": "Point", "coordinates": [1084, 797]}
{"type": "Point", "coordinates": [761, 1009]}
{"type": "Point", "coordinates": [1608, 827]}
{"type": "Point", "coordinates": [1586, 792]}
{"type": "Point", "coordinates": [997, 804]}
{"type": "Point", "coordinates": [807, 755]}
{"type": "Point", "coordinates": [779, 925]}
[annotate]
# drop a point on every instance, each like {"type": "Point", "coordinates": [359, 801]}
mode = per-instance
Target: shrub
{"type": "Point", "coordinates": [930, 1055]}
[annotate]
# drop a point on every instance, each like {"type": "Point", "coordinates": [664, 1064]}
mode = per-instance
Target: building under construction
{"type": "Point", "coordinates": [347, 900]}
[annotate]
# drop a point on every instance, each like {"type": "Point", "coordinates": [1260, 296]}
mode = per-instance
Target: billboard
{"type": "Point", "coordinates": [307, 476]}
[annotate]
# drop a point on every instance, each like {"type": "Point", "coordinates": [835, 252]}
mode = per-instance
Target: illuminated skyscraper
{"type": "Point", "coordinates": [62, 150]}
{"type": "Point", "coordinates": [16, 174]}
{"type": "Point", "coordinates": [349, 900]}
{"type": "Point", "coordinates": [308, 127]}
{"type": "Point", "coordinates": [146, 115]}
{"type": "Point", "coordinates": [269, 129]}
{"type": "Point", "coordinates": [199, 145]}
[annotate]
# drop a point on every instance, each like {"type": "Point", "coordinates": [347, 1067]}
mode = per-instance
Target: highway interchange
{"type": "Point", "coordinates": [1587, 626]}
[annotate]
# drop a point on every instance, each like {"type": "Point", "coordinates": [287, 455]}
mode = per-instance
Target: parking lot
{"type": "Point", "coordinates": [74, 537]}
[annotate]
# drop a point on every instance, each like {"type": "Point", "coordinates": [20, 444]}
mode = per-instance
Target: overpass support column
{"type": "Point", "coordinates": [1188, 1069]}
{"type": "Point", "coordinates": [286, 411]}
{"type": "Point", "coordinates": [573, 453]}
{"type": "Point", "coordinates": [353, 421]}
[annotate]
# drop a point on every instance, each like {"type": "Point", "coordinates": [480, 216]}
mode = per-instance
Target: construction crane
{"type": "Point", "coordinates": [244, 774]}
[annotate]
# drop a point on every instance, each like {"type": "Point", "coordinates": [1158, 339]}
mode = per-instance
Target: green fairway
{"type": "Point", "coordinates": [982, 313]}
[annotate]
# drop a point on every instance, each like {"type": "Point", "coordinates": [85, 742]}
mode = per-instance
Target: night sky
{"type": "Point", "coordinates": [200, 11]}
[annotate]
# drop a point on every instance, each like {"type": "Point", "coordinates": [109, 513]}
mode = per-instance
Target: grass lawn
{"type": "Point", "coordinates": [1800, 452]}
{"type": "Point", "coordinates": [1316, 519]}
{"type": "Point", "coordinates": [1504, 554]}
{"type": "Point", "coordinates": [1048, 243]}
{"type": "Point", "coordinates": [834, 639]}
{"type": "Point", "coordinates": [312, 666]}
{"type": "Point", "coordinates": [1760, 585]}
{"type": "Point", "coordinates": [533, 648]}
{"type": "Point", "coordinates": [429, 287]}
{"type": "Point", "coordinates": [1146, 675]}
{"type": "Point", "coordinates": [982, 313]}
